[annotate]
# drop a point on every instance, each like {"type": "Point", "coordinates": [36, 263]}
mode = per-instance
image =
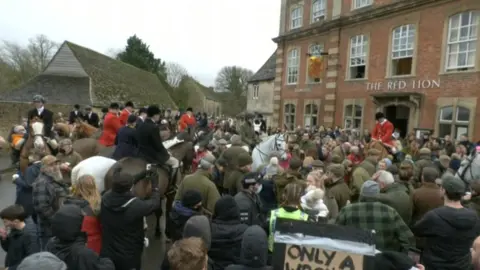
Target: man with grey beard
{"type": "Point", "coordinates": [49, 193]}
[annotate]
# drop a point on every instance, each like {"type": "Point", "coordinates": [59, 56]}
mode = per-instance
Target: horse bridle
{"type": "Point", "coordinates": [275, 148]}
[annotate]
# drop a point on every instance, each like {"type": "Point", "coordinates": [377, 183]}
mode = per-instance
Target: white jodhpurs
{"type": "Point", "coordinates": [173, 162]}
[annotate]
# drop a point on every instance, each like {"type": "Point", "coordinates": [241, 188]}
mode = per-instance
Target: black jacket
{"type": "Point", "coordinates": [20, 244]}
{"type": "Point", "coordinates": [126, 142]}
{"type": "Point", "coordinates": [47, 118]}
{"type": "Point", "coordinates": [178, 217]}
{"type": "Point", "coordinates": [254, 254]}
{"type": "Point", "coordinates": [449, 234]}
{"type": "Point", "coordinates": [227, 233]}
{"type": "Point", "coordinates": [251, 209]}
{"type": "Point", "coordinates": [121, 216]}
{"type": "Point", "coordinates": [150, 146]}
{"type": "Point", "coordinates": [72, 117]}
{"type": "Point", "coordinates": [92, 120]}
{"type": "Point", "coordinates": [69, 243]}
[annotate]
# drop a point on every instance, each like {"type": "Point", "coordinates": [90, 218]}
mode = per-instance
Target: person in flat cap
{"type": "Point", "coordinates": [201, 181]}
{"type": "Point", "coordinates": [68, 158]}
{"type": "Point", "coordinates": [363, 172]}
{"type": "Point", "coordinates": [126, 140]}
{"type": "Point", "coordinates": [248, 201]}
{"type": "Point", "coordinates": [449, 230]}
{"type": "Point", "coordinates": [220, 148]}
{"type": "Point", "coordinates": [391, 232]}
{"type": "Point", "coordinates": [122, 218]}
{"type": "Point", "coordinates": [318, 165]}
{"type": "Point", "coordinates": [424, 160]}
{"type": "Point", "coordinates": [190, 205]}
{"type": "Point", "coordinates": [234, 181]}
{"type": "Point", "coordinates": [291, 175]}
{"type": "Point", "coordinates": [335, 184]}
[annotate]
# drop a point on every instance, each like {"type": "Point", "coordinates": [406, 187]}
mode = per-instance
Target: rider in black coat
{"type": "Point", "coordinates": [150, 146]}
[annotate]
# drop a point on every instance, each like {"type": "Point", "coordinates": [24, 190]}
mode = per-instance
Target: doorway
{"type": "Point", "coordinates": [398, 115]}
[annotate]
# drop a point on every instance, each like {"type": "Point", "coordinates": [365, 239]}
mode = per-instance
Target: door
{"type": "Point", "coordinates": [398, 115]}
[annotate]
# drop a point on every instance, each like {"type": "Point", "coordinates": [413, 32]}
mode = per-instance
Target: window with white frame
{"type": "Point", "coordinates": [255, 91]}
{"type": "Point", "coordinates": [289, 113]}
{"type": "Point", "coordinates": [358, 56]}
{"type": "Point", "coordinates": [361, 3]}
{"type": "Point", "coordinates": [310, 115]}
{"type": "Point", "coordinates": [318, 10]}
{"type": "Point", "coordinates": [314, 50]}
{"type": "Point", "coordinates": [353, 117]}
{"type": "Point", "coordinates": [292, 66]}
{"type": "Point", "coordinates": [462, 41]}
{"type": "Point", "coordinates": [454, 121]}
{"type": "Point", "coordinates": [403, 46]}
{"type": "Point", "coordinates": [296, 17]}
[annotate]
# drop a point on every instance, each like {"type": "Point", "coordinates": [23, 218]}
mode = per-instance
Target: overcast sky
{"type": "Point", "coordinates": [201, 35]}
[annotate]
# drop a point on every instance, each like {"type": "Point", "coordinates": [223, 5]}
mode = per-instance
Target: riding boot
{"type": "Point", "coordinates": [173, 176]}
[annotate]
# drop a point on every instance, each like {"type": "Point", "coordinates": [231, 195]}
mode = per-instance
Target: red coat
{"type": "Point", "coordinates": [124, 117]}
{"type": "Point", "coordinates": [198, 156]}
{"type": "Point", "coordinates": [91, 226]}
{"type": "Point", "coordinates": [186, 121]}
{"type": "Point", "coordinates": [111, 125]}
{"type": "Point", "coordinates": [383, 132]}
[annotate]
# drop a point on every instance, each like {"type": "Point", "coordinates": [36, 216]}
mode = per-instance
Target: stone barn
{"type": "Point", "coordinates": [78, 75]}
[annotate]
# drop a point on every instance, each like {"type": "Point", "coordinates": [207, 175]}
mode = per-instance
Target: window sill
{"type": "Point", "coordinates": [454, 72]}
{"type": "Point", "coordinates": [296, 28]}
{"type": "Point", "coordinates": [313, 83]}
{"type": "Point", "coordinates": [319, 21]}
{"type": "Point", "coordinates": [356, 80]}
{"type": "Point", "coordinates": [392, 77]}
{"type": "Point", "coordinates": [291, 84]}
{"type": "Point", "coordinates": [360, 8]}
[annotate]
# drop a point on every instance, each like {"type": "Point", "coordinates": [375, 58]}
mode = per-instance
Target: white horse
{"type": "Point", "coordinates": [273, 143]}
{"type": "Point", "coordinates": [470, 168]}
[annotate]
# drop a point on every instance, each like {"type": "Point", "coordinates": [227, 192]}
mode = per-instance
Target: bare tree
{"type": "Point", "coordinates": [234, 81]}
{"type": "Point", "coordinates": [41, 51]}
{"type": "Point", "coordinates": [175, 73]}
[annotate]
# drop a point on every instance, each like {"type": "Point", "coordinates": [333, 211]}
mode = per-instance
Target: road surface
{"type": "Point", "coordinates": [153, 255]}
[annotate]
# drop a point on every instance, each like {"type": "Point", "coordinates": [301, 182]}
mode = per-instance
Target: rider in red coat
{"type": "Point", "coordinates": [126, 112]}
{"type": "Point", "coordinates": [187, 120]}
{"type": "Point", "coordinates": [383, 130]}
{"type": "Point", "coordinates": [111, 125]}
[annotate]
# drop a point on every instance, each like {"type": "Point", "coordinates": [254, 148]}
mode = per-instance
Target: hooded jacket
{"type": "Point", "coordinates": [68, 243]}
{"type": "Point", "coordinates": [179, 215]}
{"type": "Point", "coordinates": [20, 244]}
{"type": "Point", "coordinates": [121, 216]}
{"type": "Point", "coordinates": [227, 233]}
{"type": "Point", "coordinates": [449, 233]}
{"type": "Point", "coordinates": [254, 252]}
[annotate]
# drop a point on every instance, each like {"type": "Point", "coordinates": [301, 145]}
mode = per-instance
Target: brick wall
{"type": "Point", "coordinates": [12, 113]}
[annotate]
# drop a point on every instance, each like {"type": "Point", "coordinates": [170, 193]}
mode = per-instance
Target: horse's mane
{"type": "Point", "coordinates": [86, 128]}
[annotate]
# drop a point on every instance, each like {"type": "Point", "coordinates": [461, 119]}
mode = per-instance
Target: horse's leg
{"type": "Point", "coordinates": [158, 215]}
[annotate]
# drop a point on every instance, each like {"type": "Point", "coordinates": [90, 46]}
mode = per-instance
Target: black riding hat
{"type": "Point", "coordinates": [153, 110]}
{"type": "Point", "coordinates": [379, 115]}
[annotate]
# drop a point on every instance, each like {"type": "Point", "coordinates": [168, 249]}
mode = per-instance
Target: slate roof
{"type": "Point", "coordinates": [113, 80]}
{"type": "Point", "coordinates": [52, 88]}
{"type": "Point", "coordinates": [267, 71]}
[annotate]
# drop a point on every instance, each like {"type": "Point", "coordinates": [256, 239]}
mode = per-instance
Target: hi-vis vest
{"type": "Point", "coordinates": [282, 213]}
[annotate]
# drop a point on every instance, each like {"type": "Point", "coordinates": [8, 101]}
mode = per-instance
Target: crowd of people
{"type": "Point", "coordinates": [224, 213]}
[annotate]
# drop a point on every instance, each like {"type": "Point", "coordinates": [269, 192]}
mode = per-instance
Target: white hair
{"type": "Point", "coordinates": [384, 177]}
{"type": "Point", "coordinates": [274, 161]}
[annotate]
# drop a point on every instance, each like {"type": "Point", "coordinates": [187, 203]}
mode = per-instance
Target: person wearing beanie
{"type": "Point", "coordinates": [454, 165]}
{"type": "Point", "coordinates": [391, 232]}
{"type": "Point", "coordinates": [291, 175]}
{"type": "Point", "coordinates": [227, 232]}
{"type": "Point", "coordinates": [254, 250]}
{"type": "Point", "coordinates": [335, 184]}
{"type": "Point", "coordinates": [190, 205]}
{"type": "Point", "coordinates": [69, 242]}
{"type": "Point", "coordinates": [126, 140]}
{"type": "Point", "coordinates": [42, 261]}
{"type": "Point", "coordinates": [248, 201]}
{"type": "Point", "coordinates": [122, 218]}
{"type": "Point", "coordinates": [201, 181]}
{"type": "Point", "coordinates": [234, 181]}
{"type": "Point", "coordinates": [449, 230]}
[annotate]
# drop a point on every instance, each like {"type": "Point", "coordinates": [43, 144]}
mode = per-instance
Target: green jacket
{"type": "Point", "coordinates": [396, 195]}
{"type": "Point", "coordinates": [200, 181]}
{"type": "Point", "coordinates": [247, 133]}
{"type": "Point", "coordinates": [283, 179]}
{"type": "Point", "coordinates": [233, 182]}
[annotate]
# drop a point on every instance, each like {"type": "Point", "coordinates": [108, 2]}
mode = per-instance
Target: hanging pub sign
{"type": "Point", "coordinates": [313, 246]}
{"type": "Point", "coordinates": [315, 67]}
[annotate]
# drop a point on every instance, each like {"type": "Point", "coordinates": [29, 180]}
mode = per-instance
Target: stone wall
{"type": "Point", "coordinates": [12, 113]}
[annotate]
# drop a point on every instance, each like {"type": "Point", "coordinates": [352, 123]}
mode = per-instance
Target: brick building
{"type": "Point", "coordinates": [416, 60]}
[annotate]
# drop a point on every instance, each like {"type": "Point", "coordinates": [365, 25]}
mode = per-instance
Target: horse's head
{"type": "Point", "coordinates": [470, 168]}
{"type": "Point", "coordinates": [37, 131]}
{"type": "Point", "coordinates": [83, 129]}
{"type": "Point", "coordinates": [274, 143]}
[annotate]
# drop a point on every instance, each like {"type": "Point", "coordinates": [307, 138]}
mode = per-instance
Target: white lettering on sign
{"type": "Point", "coordinates": [402, 85]}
